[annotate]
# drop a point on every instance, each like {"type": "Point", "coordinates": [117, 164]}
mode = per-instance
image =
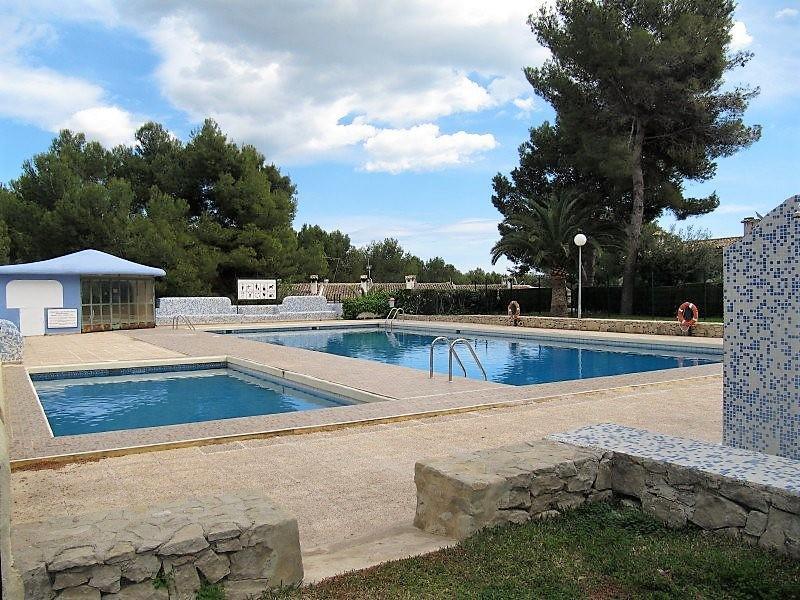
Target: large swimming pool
{"type": "Point", "coordinates": [517, 360]}
{"type": "Point", "coordinates": [92, 404]}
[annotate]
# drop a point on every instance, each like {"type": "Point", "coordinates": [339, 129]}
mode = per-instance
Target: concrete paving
{"type": "Point", "coordinates": [352, 490]}
{"type": "Point", "coordinates": [401, 392]}
{"type": "Point", "coordinates": [106, 346]}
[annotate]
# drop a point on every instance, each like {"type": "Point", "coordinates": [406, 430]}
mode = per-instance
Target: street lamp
{"type": "Point", "coordinates": [579, 240]}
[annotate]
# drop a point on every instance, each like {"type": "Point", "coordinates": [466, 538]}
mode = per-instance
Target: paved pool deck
{"type": "Point", "coordinates": [350, 487]}
{"type": "Point", "coordinates": [381, 392]}
{"type": "Point", "coordinates": [352, 490]}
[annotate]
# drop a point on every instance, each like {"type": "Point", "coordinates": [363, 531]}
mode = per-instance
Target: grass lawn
{"type": "Point", "coordinates": [599, 551]}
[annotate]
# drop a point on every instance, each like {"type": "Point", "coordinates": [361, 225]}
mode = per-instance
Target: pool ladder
{"type": "Point", "coordinates": [392, 316]}
{"type": "Point", "coordinates": [452, 353]}
{"type": "Point", "coordinates": [178, 318]}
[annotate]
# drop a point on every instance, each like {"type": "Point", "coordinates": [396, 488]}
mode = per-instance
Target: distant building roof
{"type": "Point", "coordinates": [342, 291]}
{"type": "Point", "coordinates": [723, 241]}
{"type": "Point", "coordinates": [85, 262]}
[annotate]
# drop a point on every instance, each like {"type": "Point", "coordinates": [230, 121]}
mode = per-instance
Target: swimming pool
{"type": "Point", "coordinates": [517, 360]}
{"type": "Point", "coordinates": [98, 403]}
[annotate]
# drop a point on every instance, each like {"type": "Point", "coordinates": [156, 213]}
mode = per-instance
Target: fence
{"type": "Point", "coordinates": [597, 301]}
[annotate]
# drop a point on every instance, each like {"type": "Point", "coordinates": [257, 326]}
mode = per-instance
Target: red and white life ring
{"type": "Point", "coordinates": [687, 323]}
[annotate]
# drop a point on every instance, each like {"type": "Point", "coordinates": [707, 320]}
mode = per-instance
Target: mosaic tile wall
{"type": "Point", "coordinates": [761, 391]}
{"type": "Point", "coordinates": [220, 310]}
{"type": "Point", "coordinates": [10, 343]}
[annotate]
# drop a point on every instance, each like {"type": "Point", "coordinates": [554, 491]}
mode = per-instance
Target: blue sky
{"type": "Point", "coordinates": [390, 117]}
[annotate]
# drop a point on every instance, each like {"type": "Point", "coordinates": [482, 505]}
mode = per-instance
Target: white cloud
{"type": "Point", "coordinates": [740, 38]}
{"type": "Point", "coordinates": [325, 80]}
{"type": "Point", "coordinates": [423, 148]}
{"type": "Point", "coordinates": [42, 96]}
{"type": "Point", "coordinates": [52, 100]}
{"type": "Point", "coordinates": [734, 209]}
{"type": "Point", "coordinates": [787, 13]}
{"type": "Point", "coordinates": [109, 125]}
{"type": "Point", "coordinates": [472, 227]}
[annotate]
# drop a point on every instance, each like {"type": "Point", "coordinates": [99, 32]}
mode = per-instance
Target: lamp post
{"type": "Point", "coordinates": [579, 240]}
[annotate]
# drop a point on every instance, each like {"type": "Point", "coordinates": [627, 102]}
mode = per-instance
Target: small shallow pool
{"type": "Point", "coordinates": [96, 403]}
{"type": "Point", "coordinates": [516, 359]}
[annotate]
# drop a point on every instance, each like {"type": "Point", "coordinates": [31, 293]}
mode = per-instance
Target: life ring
{"type": "Point", "coordinates": [686, 324]}
{"type": "Point", "coordinates": [514, 312]}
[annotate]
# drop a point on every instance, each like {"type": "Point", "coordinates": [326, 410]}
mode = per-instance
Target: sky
{"type": "Point", "coordinates": [391, 117]}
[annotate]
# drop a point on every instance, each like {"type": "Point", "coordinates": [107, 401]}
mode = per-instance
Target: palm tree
{"type": "Point", "coordinates": [540, 236]}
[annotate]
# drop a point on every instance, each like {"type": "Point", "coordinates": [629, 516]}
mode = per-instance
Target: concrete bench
{"type": "Point", "coordinates": [211, 310]}
{"type": "Point", "coordinates": [240, 541]}
{"type": "Point", "coordinates": [679, 481]}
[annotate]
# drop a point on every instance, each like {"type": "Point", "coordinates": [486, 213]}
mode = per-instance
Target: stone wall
{"type": "Point", "coordinates": [211, 310]}
{"type": "Point", "coordinates": [761, 389]}
{"type": "Point", "coordinates": [459, 495]}
{"type": "Point", "coordinates": [610, 325]}
{"type": "Point", "coordinates": [239, 541]}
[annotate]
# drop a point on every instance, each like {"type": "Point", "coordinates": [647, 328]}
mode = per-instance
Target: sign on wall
{"type": "Point", "coordinates": [62, 318]}
{"type": "Point", "coordinates": [257, 289]}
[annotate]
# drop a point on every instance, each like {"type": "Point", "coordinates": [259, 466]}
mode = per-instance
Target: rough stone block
{"type": "Point", "coordinates": [68, 579]}
{"type": "Point", "coordinates": [756, 523]}
{"type": "Point", "coordinates": [120, 553]}
{"type": "Point", "coordinates": [187, 540]}
{"type": "Point", "coordinates": [782, 532]}
{"type": "Point", "coordinates": [669, 512]}
{"type": "Point", "coordinates": [457, 496]}
{"type": "Point", "coordinates": [744, 494]}
{"type": "Point", "coordinates": [627, 477]}
{"type": "Point", "coordinates": [213, 566]}
{"type": "Point", "coordinates": [184, 583]}
{"type": "Point", "coordinates": [141, 567]}
{"type": "Point", "coordinates": [712, 511]}
{"type": "Point", "coordinates": [82, 592]}
{"type": "Point", "coordinates": [140, 591]}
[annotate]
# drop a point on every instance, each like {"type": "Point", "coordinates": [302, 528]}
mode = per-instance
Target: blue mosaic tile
{"type": "Point", "coordinates": [743, 465]}
{"type": "Point", "coordinates": [54, 375]}
{"type": "Point", "coordinates": [761, 388]}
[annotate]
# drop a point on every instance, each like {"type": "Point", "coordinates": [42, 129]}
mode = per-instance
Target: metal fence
{"type": "Point", "coordinates": [597, 301]}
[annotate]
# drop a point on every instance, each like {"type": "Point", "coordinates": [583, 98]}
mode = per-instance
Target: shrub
{"type": "Point", "coordinates": [374, 302]}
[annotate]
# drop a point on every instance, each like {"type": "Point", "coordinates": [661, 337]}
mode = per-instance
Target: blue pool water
{"type": "Point", "coordinates": [513, 361]}
{"type": "Point", "coordinates": [95, 404]}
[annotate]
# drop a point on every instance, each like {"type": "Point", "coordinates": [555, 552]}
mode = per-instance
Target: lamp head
{"type": "Point", "coordinates": [579, 239]}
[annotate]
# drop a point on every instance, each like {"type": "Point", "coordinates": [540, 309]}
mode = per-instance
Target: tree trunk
{"type": "Point", "coordinates": [558, 294]}
{"type": "Point", "coordinates": [635, 224]}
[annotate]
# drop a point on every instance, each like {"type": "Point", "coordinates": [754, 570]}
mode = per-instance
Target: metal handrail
{"type": "Point", "coordinates": [442, 338]}
{"type": "Point", "coordinates": [393, 312]}
{"type": "Point", "coordinates": [453, 352]}
{"type": "Point", "coordinates": [389, 316]}
{"type": "Point", "coordinates": [397, 312]}
{"type": "Point", "coordinates": [176, 319]}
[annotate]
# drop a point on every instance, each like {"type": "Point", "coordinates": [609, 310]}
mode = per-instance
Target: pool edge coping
{"type": "Point", "coordinates": [57, 460]}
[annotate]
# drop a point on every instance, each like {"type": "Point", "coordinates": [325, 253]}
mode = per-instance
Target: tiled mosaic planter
{"type": "Point", "coordinates": [743, 494]}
